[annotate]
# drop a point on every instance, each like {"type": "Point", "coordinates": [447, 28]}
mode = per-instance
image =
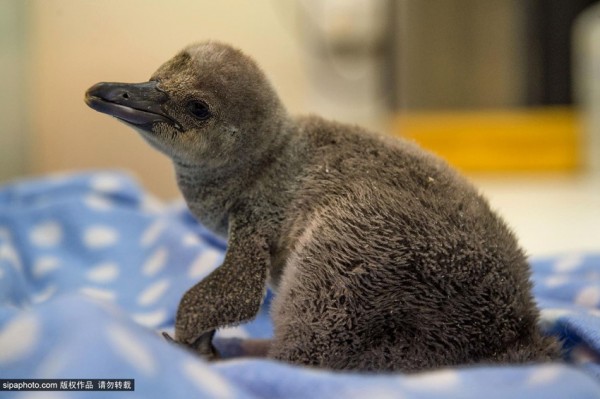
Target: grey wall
{"type": "Point", "coordinates": [460, 53]}
{"type": "Point", "coordinates": [13, 89]}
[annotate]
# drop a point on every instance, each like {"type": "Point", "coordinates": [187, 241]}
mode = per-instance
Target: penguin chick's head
{"type": "Point", "coordinates": [207, 106]}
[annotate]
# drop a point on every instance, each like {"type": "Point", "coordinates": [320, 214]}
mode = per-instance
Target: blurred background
{"type": "Point", "coordinates": [508, 91]}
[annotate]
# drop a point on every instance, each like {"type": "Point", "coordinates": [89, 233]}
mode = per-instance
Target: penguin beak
{"type": "Point", "coordinates": [140, 104]}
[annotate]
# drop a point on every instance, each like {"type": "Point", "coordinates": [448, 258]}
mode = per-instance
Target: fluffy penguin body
{"type": "Point", "coordinates": [381, 256]}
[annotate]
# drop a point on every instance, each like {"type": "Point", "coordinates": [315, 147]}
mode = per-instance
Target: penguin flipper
{"type": "Point", "coordinates": [230, 295]}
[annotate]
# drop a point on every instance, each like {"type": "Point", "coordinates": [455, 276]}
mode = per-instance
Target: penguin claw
{"type": "Point", "coordinates": [201, 346]}
{"type": "Point", "coordinates": [168, 338]}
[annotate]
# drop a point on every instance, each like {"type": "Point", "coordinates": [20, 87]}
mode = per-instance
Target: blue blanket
{"type": "Point", "coordinates": [92, 269]}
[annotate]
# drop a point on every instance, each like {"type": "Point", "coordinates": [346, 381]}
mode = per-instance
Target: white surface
{"type": "Point", "coordinates": [549, 214]}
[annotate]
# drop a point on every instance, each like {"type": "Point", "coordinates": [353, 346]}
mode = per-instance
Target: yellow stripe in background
{"type": "Point", "coordinates": [520, 140]}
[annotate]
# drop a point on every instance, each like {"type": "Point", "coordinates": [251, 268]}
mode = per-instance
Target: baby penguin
{"type": "Point", "coordinates": [380, 255]}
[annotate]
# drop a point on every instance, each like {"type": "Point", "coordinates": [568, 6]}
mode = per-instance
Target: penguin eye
{"type": "Point", "coordinates": [199, 109]}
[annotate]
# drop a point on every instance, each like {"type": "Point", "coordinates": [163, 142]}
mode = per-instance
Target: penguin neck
{"type": "Point", "coordinates": [212, 194]}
